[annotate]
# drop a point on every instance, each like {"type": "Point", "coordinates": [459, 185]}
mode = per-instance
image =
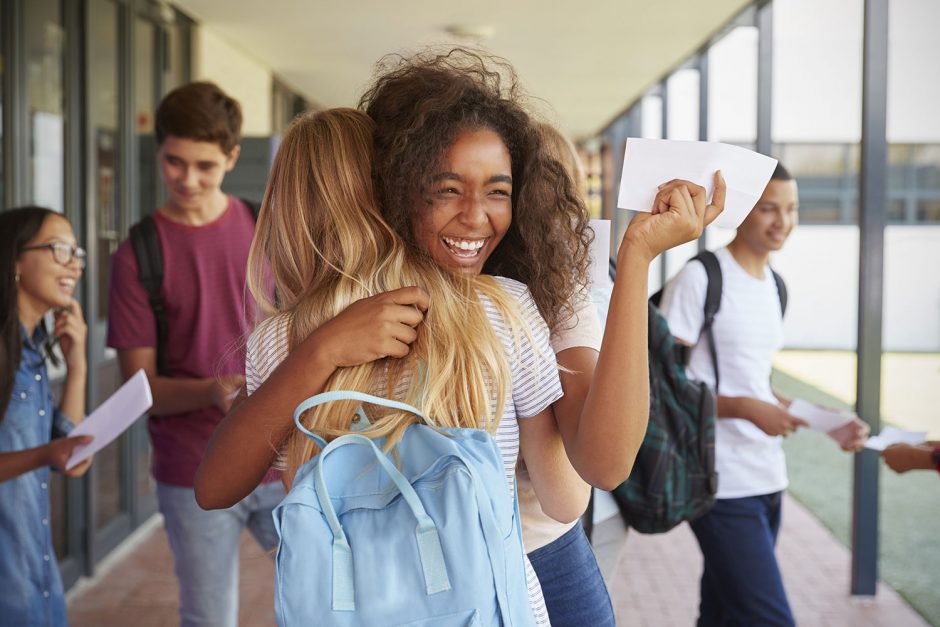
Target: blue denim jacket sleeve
{"type": "Point", "coordinates": [29, 575]}
{"type": "Point", "coordinates": [62, 425]}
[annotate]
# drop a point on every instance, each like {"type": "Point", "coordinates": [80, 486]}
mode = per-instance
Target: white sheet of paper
{"type": "Point", "coordinates": [892, 435]}
{"type": "Point", "coordinates": [819, 418]}
{"type": "Point", "coordinates": [600, 253]}
{"type": "Point", "coordinates": [113, 417]}
{"type": "Point", "coordinates": [648, 163]}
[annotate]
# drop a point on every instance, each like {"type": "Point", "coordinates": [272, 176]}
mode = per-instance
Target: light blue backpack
{"type": "Point", "coordinates": [429, 539]}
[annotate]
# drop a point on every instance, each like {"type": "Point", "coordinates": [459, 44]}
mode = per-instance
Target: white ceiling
{"type": "Point", "coordinates": [586, 60]}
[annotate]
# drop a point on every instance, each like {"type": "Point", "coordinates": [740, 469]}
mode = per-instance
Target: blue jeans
{"type": "Point", "coordinates": [741, 583]}
{"type": "Point", "coordinates": [574, 591]}
{"type": "Point", "coordinates": [205, 548]}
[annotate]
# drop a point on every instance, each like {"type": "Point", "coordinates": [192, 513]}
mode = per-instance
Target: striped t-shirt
{"type": "Point", "coordinates": [535, 384]}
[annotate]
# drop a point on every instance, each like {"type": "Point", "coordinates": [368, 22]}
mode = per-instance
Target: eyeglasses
{"type": "Point", "coordinates": [63, 253]}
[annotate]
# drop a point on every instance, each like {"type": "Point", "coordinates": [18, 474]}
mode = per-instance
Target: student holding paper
{"type": "Point", "coordinates": [461, 175]}
{"type": "Point", "coordinates": [196, 369]}
{"type": "Point", "coordinates": [40, 263]}
{"type": "Point", "coordinates": [741, 582]}
{"type": "Point", "coordinates": [357, 309]}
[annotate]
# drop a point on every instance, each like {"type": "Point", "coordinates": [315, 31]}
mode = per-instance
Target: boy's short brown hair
{"type": "Point", "coordinates": [202, 112]}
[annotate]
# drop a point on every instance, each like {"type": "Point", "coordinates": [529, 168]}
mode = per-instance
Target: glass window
{"type": "Point", "coordinates": [925, 159]}
{"type": "Point", "coordinates": [44, 42]}
{"type": "Point", "coordinates": [651, 116]}
{"type": "Point", "coordinates": [149, 191]}
{"type": "Point", "coordinates": [177, 41]}
{"type": "Point", "coordinates": [2, 106]}
{"type": "Point", "coordinates": [144, 105]}
{"type": "Point", "coordinates": [928, 211]}
{"type": "Point", "coordinates": [732, 87]}
{"type": "Point", "coordinates": [44, 39]}
{"type": "Point", "coordinates": [103, 174]}
{"type": "Point", "coordinates": [683, 94]}
{"type": "Point", "coordinates": [911, 339]}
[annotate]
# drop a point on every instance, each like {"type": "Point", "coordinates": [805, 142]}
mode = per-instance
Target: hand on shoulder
{"type": "Point", "coordinates": [371, 328]}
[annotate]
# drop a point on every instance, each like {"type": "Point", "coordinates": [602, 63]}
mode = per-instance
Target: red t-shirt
{"type": "Point", "coordinates": [209, 315]}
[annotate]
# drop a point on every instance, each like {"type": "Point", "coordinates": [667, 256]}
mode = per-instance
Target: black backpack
{"type": "Point", "coordinates": [145, 240]}
{"type": "Point", "coordinates": [674, 476]}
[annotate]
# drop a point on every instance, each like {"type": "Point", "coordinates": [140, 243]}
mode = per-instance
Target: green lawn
{"type": "Point", "coordinates": [821, 479]}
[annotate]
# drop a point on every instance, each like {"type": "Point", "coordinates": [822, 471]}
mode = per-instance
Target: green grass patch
{"type": "Point", "coordinates": [821, 479]}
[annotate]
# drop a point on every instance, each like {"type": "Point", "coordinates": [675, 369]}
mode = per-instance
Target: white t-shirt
{"type": "Point", "coordinates": [535, 384]}
{"type": "Point", "coordinates": [748, 332]}
{"type": "Point", "coordinates": [582, 329]}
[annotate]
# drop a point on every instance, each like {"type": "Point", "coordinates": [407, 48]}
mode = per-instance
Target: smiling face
{"type": "Point", "coordinates": [769, 224]}
{"type": "Point", "coordinates": [468, 208]}
{"type": "Point", "coordinates": [193, 171]}
{"type": "Point", "coordinates": [45, 283]}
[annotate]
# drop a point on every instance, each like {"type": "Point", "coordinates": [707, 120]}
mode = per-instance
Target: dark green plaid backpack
{"type": "Point", "coordinates": [674, 476]}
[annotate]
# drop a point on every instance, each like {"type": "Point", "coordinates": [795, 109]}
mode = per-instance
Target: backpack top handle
{"type": "Point", "coordinates": [346, 395]}
{"type": "Point", "coordinates": [426, 533]}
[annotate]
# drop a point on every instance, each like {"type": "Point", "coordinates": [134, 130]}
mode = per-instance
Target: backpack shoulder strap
{"type": "Point", "coordinates": [254, 207]}
{"type": "Point", "coordinates": [146, 244]}
{"type": "Point", "coordinates": [713, 294]}
{"type": "Point", "coordinates": [712, 302]}
{"type": "Point", "coordinates": [781, 291]}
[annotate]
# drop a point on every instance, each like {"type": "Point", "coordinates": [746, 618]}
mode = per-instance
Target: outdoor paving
{"type": "Point", "coordinates": [653, 580]}
{"type": "Point", "coordinates": [138, 588]}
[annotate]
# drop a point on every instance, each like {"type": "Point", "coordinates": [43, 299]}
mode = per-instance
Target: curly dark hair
{"type": "Point", "coordinates": [420, 104]}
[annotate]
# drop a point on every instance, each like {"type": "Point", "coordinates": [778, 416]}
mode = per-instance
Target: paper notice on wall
{"type": "Point", "coordinates": [648, 163]}
{"type": "Point", "coordinates": [112, 417]}
{"type": "Point", "coordinates": [892, 435]}
{"type": "Point", "coordinates": [819, 418]}
{"type": "Point", "coordinates": [600, 253]}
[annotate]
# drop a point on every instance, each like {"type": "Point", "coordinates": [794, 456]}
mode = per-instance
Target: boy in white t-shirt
{"type": "Point", "coordinates": [741, 582]}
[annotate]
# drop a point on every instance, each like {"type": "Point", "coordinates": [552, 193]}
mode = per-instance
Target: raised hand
{"type": "Point", "coordinates": [71, 331]}
{"type": "Point", "coordinates": [372, 328]}
{"type": "Point", "coordinates": [679, 214]}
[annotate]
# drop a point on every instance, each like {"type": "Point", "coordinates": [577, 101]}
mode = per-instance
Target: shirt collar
{"type": "Point", "coordinates": [38, 339]}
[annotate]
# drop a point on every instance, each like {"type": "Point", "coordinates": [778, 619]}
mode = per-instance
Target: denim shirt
{"type": "Point", "coordinates": [30, 584]}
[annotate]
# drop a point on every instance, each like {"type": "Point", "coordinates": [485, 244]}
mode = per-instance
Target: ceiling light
{"type": "Point", "coordinates": [471, 31]}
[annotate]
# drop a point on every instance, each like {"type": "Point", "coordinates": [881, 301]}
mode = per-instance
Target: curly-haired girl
{"type": "Point", "coordinates": [462, 173]}
{"type": "Point", "coordinates": [357, 309]}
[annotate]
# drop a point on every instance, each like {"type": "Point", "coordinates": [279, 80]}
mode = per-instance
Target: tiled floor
{"type": "Point", "coordinates": [653, 581]}
{"type": "Point", "coordinates": [138, 588]}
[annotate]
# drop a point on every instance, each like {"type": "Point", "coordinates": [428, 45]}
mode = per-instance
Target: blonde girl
{"type": "Point", "coordinates": [357, 309]}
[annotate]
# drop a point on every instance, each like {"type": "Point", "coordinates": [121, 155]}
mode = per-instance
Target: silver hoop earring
{"type": "Point", "coordinates": [16, 278]}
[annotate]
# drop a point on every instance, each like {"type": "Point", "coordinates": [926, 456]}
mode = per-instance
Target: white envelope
{"type": "Point", "coordinates": [819, 418]}
{"type": "Point", "coordinates": [648, 163]}
{"type": "Point", "coordinates": [112, 417]}
{"type": "Point", "coordinates": [892, 435]}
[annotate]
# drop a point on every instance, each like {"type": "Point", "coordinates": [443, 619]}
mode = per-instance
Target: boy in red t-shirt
{"type": "Point", "coordinates": [204, 236]}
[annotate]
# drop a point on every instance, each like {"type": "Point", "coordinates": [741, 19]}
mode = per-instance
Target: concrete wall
{"type": "Point", "coordinates": [241, 76]}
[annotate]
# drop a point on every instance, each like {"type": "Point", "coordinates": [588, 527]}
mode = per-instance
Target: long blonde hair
{"type": "Point", "coordinates": [322, 243]}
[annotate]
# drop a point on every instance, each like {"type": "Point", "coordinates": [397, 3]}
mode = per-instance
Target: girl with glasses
{"type": "Point", "coordinates": [40, 265]}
